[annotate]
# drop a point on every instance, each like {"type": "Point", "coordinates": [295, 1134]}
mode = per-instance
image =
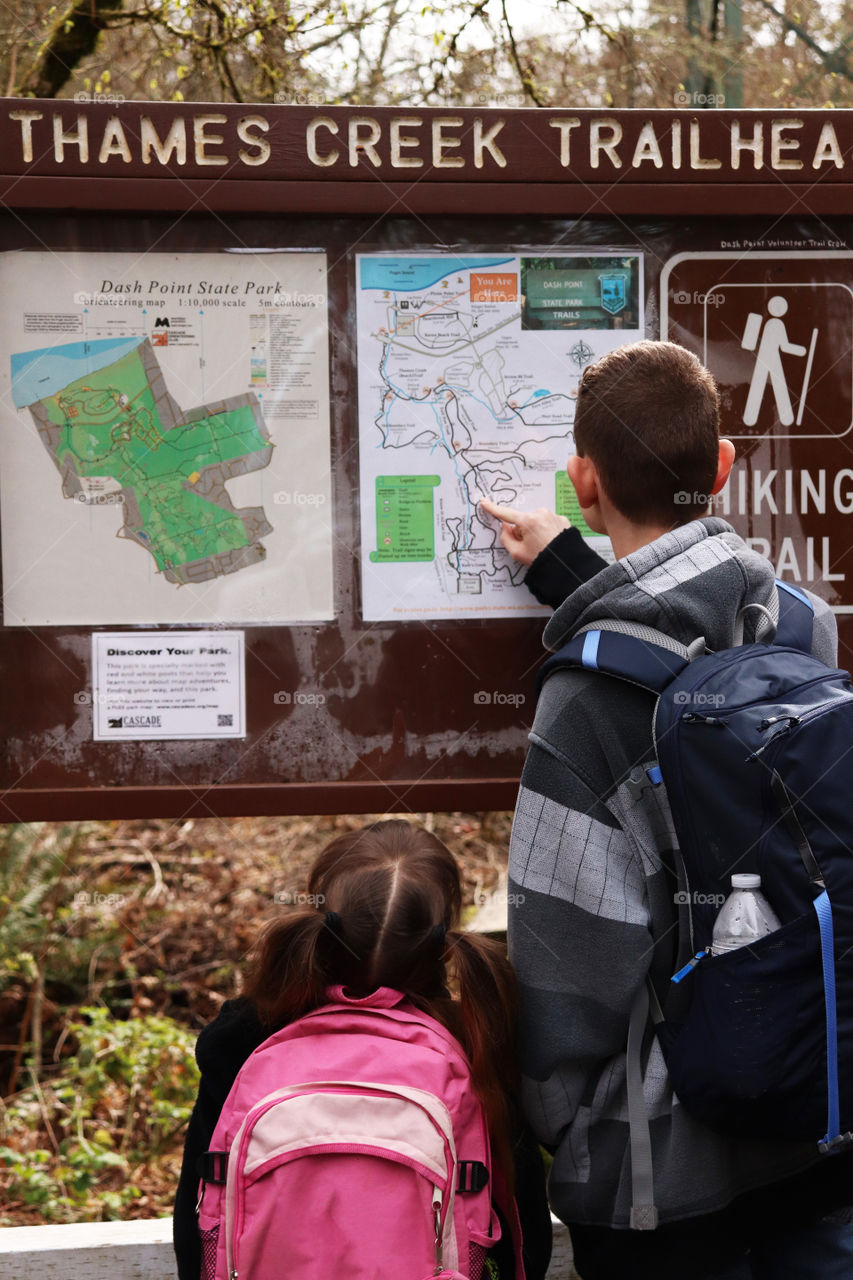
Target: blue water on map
{"type": "Point", "coordinates": [36, 374]}
{"type": "Point", "coordinates": [404, 274]}
{"type": "Point", "coordinates": [536, 394]}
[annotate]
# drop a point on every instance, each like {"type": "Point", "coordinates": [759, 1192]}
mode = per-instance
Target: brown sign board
{"type": "Point", "coordinates": [390, 160]}
{"type": "Point", "coordinates": [350, 713]}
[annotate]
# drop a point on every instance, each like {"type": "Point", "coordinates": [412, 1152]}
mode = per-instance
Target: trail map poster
{"type": "Point", "coordinates": [468, 370]}
{"type": "Point", "coordinates": [165, 438]}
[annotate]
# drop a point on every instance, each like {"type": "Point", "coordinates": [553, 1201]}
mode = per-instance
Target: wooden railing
{"type": "Point", "coordinates": [132, 1251]}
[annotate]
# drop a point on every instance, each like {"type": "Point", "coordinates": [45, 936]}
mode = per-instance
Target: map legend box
{"type": "Point", "coordinates": [405, 518]}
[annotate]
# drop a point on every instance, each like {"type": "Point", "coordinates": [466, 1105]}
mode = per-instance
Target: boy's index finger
{"type": "Point", "coordinates": [509, 515]}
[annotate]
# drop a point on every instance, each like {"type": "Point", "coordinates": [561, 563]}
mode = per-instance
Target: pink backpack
{"type": "Point", "coordinates": [352, 1144]}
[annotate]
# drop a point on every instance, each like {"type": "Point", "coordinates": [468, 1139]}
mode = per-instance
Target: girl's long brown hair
{"type": "Point", "coordinates": [389, 900]}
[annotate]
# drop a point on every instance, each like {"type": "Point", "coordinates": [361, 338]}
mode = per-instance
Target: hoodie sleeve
{"type": "Point", "coordinates": [580, 942]}
{"type": "Point", "coordinates": [565, 564]}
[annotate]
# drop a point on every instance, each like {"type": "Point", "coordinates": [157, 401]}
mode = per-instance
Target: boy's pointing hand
{"type": "Point", "coordinates": [525, 533]}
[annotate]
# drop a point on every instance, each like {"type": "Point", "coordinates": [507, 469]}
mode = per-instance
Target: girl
{"type": "Point", "coordinates": [389, 899]}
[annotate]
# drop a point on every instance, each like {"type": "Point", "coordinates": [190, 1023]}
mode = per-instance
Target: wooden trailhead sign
{"type": "Point", "coordinates": [259, 363]}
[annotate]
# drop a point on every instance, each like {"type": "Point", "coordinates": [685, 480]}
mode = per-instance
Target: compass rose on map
{"type": "Point", "coordinates": [581, 353]}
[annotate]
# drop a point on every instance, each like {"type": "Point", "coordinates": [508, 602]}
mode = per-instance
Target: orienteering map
{"type": "Point", "coordinates": [116, 434]}
{"type": "Point", "coordinates": [468, 372]}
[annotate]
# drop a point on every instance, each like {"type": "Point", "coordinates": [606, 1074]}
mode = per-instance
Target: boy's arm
{"type": "Point", "coordinates": [561, 567]}
{"type": "Point", "coordinates": [557, 557]}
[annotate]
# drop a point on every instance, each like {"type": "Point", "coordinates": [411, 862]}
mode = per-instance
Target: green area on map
{"type": "Point", "coordinates": [566, 504]}
{"type": "Point", "coordinates": [405, 518]}
{"type": "Point", "coordinates": [111, 426]}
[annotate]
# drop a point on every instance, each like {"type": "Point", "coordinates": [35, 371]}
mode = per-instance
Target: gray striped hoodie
{"type": "Point", "coordinates": [593, 907]}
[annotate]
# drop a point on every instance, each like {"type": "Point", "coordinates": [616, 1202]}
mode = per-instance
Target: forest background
{"type": "Point", "coordinates": [118, 941]}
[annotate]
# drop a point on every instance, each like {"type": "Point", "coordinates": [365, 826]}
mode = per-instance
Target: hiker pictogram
{"type": "Point", "coordinates": [770, 337]}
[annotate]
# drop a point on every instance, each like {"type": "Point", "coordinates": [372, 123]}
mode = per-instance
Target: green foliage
{"type": "Point", "coordinates": [33, 860]}
{"type": "Point", "coordinates": [70, 1147]}
{"type": "Point", "coordinates": [50, 921]}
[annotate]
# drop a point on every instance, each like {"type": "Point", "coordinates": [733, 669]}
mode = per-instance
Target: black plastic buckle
{"type": "Point", "coordinates": [473, 1176]}
{"type": "Point", "coordinates": [212, 1166]}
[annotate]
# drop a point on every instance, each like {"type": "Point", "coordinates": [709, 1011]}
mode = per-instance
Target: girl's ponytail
{"type": "Point", "coordinates": [488, 1010]}
{"type": "Point", "coordinates": [291, 969]}
{"type": "Point", "coordinates": [392, 890]}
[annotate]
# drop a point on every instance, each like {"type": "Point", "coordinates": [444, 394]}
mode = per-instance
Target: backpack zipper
{"type": "Point", "coordinates": [260, 1110]}
{"type": "Point", "coordinates": [691, 965]}
{"type": "Point", "coordinates": [774, 744]}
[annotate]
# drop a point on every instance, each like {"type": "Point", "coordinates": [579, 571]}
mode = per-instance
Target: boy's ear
{"type": "Point", "coordinates": [584, 477]}
{"type": "Point", "coordinates": [724, 465]}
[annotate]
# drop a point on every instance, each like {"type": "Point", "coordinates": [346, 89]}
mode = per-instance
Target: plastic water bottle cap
{"type": "Point", "coordinates": [745, 881]}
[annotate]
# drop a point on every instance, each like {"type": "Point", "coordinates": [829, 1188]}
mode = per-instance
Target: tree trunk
{"type": "Point", "coordinates": [72, 38]}
{"type": "Point", "coordinates": [732, 66]}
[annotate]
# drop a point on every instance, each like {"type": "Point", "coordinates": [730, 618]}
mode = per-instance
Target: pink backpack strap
{"type": "Point", "coordinates": [381, 998]}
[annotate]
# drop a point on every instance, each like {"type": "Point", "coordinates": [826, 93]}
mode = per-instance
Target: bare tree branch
{"type": "Point", "coordinates": [836, 61]}
{"type": "Point", "coordinates": [524, 75]}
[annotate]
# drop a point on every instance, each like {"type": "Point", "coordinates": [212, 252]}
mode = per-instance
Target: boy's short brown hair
{"type": "Point", "coordinates": [648, 416]}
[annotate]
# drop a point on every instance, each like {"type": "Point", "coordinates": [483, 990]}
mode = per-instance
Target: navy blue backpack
{"type": "Point", "coordinates": [755, 750]}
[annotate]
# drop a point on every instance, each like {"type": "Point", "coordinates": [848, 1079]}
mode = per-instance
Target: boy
{"type": "Point", "coordinates": [594, 912]}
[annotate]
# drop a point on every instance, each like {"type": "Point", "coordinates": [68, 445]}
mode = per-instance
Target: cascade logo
{"type": "Point", "coordinates": [134, 722]}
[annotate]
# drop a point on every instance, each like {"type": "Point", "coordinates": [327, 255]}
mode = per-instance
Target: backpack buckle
{"type": "Point", "coordinates": [641, 779]}
{"type": "Point", "coordinates": [473, 1176]}
{"type": "Point", "coordinates": [212, 1166]}
{"type": "Point", "coordinates": [831, 1146]}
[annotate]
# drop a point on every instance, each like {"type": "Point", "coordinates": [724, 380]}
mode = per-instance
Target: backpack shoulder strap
{"type": "Point", "coordinates": [796, 618]}
{"type": "Point", "coordinates": [630, 651]}
{"type": "Point", "coordinates": [644, 1214]}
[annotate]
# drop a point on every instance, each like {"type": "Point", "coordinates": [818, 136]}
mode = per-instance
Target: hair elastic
{"type": "Point", "coordinates": [334, 923]}
{"type": "Point", "coordinates": [437, 935]}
